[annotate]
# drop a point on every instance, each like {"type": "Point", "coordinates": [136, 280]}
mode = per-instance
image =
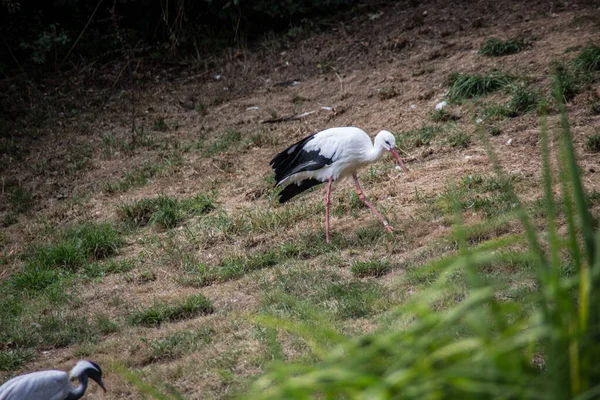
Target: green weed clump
{"type": "Point", "coordinates": [523, 100]}
{"type": "Point", "coordinates": [567, 80]}
{"type": "Point", "coordinates": [459, 139]}
{"type": "Point", "coordinates": [418, 137]}
{"type": "Point", "coordinates": [466, 86]}
{"type": "Point", "coordinates": [160, 312]}
{"type": "Point", "coordinates": [589, 59]}
{"type": "Point", "coordinates": [499, 47]}
{"type": "Point", "coordinates": [164, 211]}
{"type": "Point", "coordinates": [592, 143]}
{"type": "Point", "coordinates": [230, 139]}
{"type": "Point", "coordinates": [374, 268]}
{"type": "Point", "coordinates": [492, 339]}
{"type": "Point", "coordinates": [177, 344]}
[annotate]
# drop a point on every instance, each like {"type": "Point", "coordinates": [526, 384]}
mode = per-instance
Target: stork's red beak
{"type": "Point", "coordinates": [397, 157]}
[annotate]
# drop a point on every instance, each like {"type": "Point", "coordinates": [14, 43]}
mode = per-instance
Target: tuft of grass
{"type": "Point", "coordinates": [592, 143]}
{"type": "Point", "coordinates": [465, 86]}
{"type": "Point", "coordinates": [523, 100]}
{"type": "Point", "coordinates": [177, 344]}
{"type": "Point", "coordinates": [200, 204]}
{"type": "Point", "coordinates": [142, 175]}
{"type": "Point", "coordinates": [474, 192]}
{"type": "Point", "coordinates": [160, 312]}
{"type": "Point", "coordinates": [230, 139]}
{"type": "Point", "coordinates": [422, 136]}
{"type": "Point", "coordinates": [164, 211]}
{"type": "Point", "coordinates": [498, 47]}
{"type": "Point", "coordinates": [353, 299]}
{"type": "Point", "coordinates": [53, 264]}
{"type": "Point", "coordinates": [98, 240]}
{"type": "Point", "coordinates": [160, 125]}
{"type": "Point", "coordinates": [105, 324]}
{"type": "Point", "coordinates": [441, 115]}
{"type": "Point", "coordinates": [15, 359]}
{"type": "Point", "coordinates": [589, 59]}
{"type": "Point", "coordinates": [20, 199]}
{"type": "Point", "coordinates": [595, 106]}
{"type": "Point", "coordinates": [100, 269]}
{"type": "Point", "coordinates": [493, 111]}
{"type": "Point", "coordinates": [494, 131]}
{"type": "Point", "coordinates": [376, 268]}
{"type": "Point", "coordinates": [459, 139]}
{"type": "Point", "coordinates": [568, 83]}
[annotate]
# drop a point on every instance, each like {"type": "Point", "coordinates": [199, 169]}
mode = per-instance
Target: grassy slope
{"type": "Point", "coordinates": [170, 286]}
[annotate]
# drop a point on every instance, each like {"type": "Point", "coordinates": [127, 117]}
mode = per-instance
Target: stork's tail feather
{"type": "Point", "coordinates": [293, 189]}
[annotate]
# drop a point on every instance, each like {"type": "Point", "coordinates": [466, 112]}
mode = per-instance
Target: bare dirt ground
{"type": "Point", "coordinates": [385, 67]}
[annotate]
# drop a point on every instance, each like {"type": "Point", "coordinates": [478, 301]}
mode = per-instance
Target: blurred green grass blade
{"type": "Point", "coordinates": [549, 205]}
{"type": "Point", "coordinates": [574, 176]}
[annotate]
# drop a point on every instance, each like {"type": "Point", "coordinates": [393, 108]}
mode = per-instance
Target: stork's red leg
{"type": "Point", "coordinates": [327, 208]}
{"type": "Point", "coordinates": [361, 196]}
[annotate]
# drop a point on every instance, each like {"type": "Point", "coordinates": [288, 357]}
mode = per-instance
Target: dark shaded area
{"type": "Point", "coordinates": [57, 35]}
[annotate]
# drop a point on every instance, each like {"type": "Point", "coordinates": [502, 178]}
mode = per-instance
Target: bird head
{"type": "Point", "coordinates": [89, 368]}
{"type": "Point", "coordinates": [388, 141]}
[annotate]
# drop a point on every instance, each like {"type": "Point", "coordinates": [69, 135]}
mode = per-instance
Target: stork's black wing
{"type": "Point", "coordinates": [296, 159]}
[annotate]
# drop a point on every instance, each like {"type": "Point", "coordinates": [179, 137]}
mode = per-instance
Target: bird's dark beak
{"type": "Point", "coordinates": [101, 384]}
{"type": "Point", "coordinates": [397, 157]}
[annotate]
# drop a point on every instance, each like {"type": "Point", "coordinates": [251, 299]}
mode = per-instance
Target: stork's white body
{"type": "Point", "coordinates": [348, 148]}
{"type": "Point", "coordinates": [42, 385]}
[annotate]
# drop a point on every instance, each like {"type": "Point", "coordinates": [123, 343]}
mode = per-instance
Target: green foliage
{"type": "Point", "coordinates": [592, 143]}
{"type": "Point", "coordinates": [493, 111]}
{"type": "Point", "coordinates": [53, 263]}
{"type": "Point", "coordinates": [142, 175]}
{"type": "Point", "coordinates": [160, 312]}
{"type": "Point", "coordinates": [374, 268]}
{"type": "Point", "coordinates": [494, 131]}
{"type": "Point", "coordinates": [230, 139]}
{"type": "Point", "coordinates": [488, 340]}
{"type": "Point", "coordinates": [499, 47]}
{"type": "Point", "coordinates": [465, 86]}
{"type": "Point", "coordinates": [20, 199]}
{"type": "Point", "coordinates": [14, 359]}
{"type": "Point", "coordinates": [177, 344]}
{"type": "Point", "coordinates": [164, 211]}
{"type": "Point", "coordinates": [49, 41]}
{"type": "Point", "coordinates": [160, 125]}
{"type": "Point", "coordinates": [488, 195]}
{"type": "Point", "coordinates": [418, 137]}
{"type": "Point", "coordinates": [523, 100]}
{"type": "Point", "coordinates": [459, 139]}
{"type": "Point", "coordinates": [441, 115]}
{"type": "Point", "coordinates": [567, 80]}
{"type": "Point", "coordinates": [595, 106]}
{"type": "Point", "coordinates": [589, 59]}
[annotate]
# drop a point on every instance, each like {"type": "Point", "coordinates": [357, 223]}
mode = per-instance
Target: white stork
{"type": "Point", "coordinates": [327, 156]}
{"type": "Point", "coordinates": [52, 385]}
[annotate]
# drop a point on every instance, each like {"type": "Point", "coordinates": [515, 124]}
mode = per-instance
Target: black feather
{"type": "Point", "coordinates": [295, 159]}
{"type": "Point", "coordinates": [293, 189]}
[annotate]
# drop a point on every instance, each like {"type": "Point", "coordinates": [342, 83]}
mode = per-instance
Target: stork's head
{"type": "Point", "coordinates": [387, 140]}
{"type": "Point", "coordinates": [89, 368]}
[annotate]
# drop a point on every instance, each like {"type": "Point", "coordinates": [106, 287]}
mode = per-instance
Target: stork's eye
{"type": "Point", "coordinates": [388, 143]}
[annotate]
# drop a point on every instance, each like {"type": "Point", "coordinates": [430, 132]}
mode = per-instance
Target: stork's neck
{"type": "Point", "coordinates": [375, 152]}
{"type": "Point", "coordinates": [75, 394]}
